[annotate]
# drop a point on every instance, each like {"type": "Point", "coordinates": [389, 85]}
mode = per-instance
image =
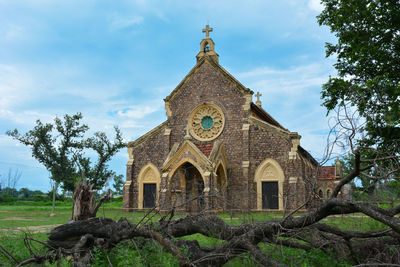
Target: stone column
{"type": "Point", "coordinates": [167, 135]}
{"type": "Point", "coordinates": [293, 202]}
{"type": "Point", "coordinates": [127, 202]}
{"type": "Point", "coordinates": [163, 202]}
{"type": "Point", "coordinates": [207, 183]}
{"type": "Point", "coordinates": [245, 193]}
{"type": "Point", "coordinates": [245, 167]}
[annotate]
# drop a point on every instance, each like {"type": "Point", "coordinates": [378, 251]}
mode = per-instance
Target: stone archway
{"type": "Point", "coordinates": [186, 189]}
{"type": "Point", "coordinates": [149, 186]}
{"type": "Point", "coordinates": [269, 178]}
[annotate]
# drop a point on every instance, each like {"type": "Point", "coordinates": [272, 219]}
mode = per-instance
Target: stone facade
{"type": "Point", "coordinates": [188, 163]}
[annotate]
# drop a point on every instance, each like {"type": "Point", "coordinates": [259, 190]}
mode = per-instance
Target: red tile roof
{"type": "Point", "coordinates": [205, 148]}
{"type": "Point", "coordinates": [326, 173]}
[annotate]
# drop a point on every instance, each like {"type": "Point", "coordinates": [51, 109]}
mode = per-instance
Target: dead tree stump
{"type": "Point", "coordinates": [84, 203]}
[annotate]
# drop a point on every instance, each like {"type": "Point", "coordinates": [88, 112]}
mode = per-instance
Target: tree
{"type": "Point", "coordinates": [13, 178]}
{"type": "Point", "coordinates": [53, 145]}
{"type": "Point", "coordinates": [368, 63]}
{"type": "Point", "coordinates": [98, 174]}
{"type": "Point", "coordinates": [118, 183]}
{"type": "Point", "coordinates": [362, 184]}
{"type": "Point", "coordinates": [9, 183]}
{"type": "Point", "coordinates": [60, 147]}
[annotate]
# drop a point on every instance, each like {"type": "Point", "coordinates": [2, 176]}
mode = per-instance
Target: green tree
{"type": "Point", "coordinates": [118, 184]}
{"type": "Point", "coordinates": [362, 184]}
{"type": "Point", "coordinates": [60, 147]}
{"type": "Point", "coordinates": [98, 173]}
{"type": "Point", "coordinates": [368, 63]}
{"type": "Point", "coordinates": [54, 145]}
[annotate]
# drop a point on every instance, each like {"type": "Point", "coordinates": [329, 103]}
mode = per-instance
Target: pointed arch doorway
{"type": "Point", "coordinates": [187, 188]}
{"type": "Point", "coordinates": [194, 188]}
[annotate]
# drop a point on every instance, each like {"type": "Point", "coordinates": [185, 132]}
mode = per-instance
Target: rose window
{"type": "Point", "coordinates": [206, 122]}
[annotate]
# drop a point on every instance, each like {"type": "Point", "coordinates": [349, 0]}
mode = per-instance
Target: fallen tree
{"type": "Point", "coordinates": [79, 238]}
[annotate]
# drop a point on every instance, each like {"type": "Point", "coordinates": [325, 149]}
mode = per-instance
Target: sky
{"type": "Point", "coordinates": [115, 62]}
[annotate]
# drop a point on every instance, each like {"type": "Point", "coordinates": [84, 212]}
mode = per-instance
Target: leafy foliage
{"type": "Point", "coordinates": [60, 148]}
{"type": "Point", "coordinates": [368, 63]}
{"type": "Point", "coordinates": [118, 183]}
{"type": "Point", "coordinates": [55, 151]}
{"type": "Point", "coordinates": [98, 173]}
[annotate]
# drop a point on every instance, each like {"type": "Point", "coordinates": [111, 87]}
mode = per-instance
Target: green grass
{"type": "Point", "coordinates": [142, 253]}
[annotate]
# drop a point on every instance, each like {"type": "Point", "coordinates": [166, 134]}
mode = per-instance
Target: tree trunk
{"type": "Point", "coordinates": [55, 187]}
{"type": "Point", "coordinates": [84, 203]}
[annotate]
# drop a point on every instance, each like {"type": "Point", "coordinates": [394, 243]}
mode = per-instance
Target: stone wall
{"type": "Point", "coordinates": [208, 85]}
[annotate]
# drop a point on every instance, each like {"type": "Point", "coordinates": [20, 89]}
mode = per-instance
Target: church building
{"type": "Point", "coordinates": [218, 150]}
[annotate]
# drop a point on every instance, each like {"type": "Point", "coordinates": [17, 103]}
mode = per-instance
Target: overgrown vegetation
{"type": "Point", "coordinates": [140, 252]}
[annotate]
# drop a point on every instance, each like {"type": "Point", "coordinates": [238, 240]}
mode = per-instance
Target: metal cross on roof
{"type": "Point", "coordinates": [207, 30]}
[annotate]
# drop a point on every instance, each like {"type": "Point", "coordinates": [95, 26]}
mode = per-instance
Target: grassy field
{"type": "Point", "coordinates": [22, 219]}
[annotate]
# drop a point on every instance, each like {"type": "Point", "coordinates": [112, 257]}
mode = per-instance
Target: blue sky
{"type": "Point", "coordinates": [115, 61]}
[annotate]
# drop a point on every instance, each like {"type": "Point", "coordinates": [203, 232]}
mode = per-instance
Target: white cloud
{"type": "Point", "coordinates": [315, 5]}
{"type": "Point", "coordinates": [12, 32]}
{"type": "Point", "coordinates": [12, 82]}
{"type": "Point", "coordinates": [118, 22]}
{"type": "Point", "coordinates": [292, 81]}
{"type": "Point", "coordinates": [137, 112]}
{"type": "Point", "coordinates": [292, 96]}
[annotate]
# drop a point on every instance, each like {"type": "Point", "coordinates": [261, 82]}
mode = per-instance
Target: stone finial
{"type": "Point", "coordinates": [258, 102]}
{"type": "Point", "coordinates": [187, 136]}
{"type": "Point", "coordinates": [338, 169]}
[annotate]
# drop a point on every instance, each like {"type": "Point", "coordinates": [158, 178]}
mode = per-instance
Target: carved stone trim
{"type": "Point", "coordinates": [247, 104]}
{"type": "Point", "coordinates": [269, 170]}
{"type": "Point", "coordinates": [167, 131]}
{"type": "Point", "coordinates": [148, 174]}
{"type": "Point", "coordinates": [168, 109]}
{"type": "Point", "coordinates": [195, 122]}
{"type": "Point", "coordinates": [295, 137]}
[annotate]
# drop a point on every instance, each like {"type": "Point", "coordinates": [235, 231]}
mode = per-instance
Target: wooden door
{"type": "Point", "coordinates": [270, 195]}
{"type": "Point", "coordinates": [149, 195]}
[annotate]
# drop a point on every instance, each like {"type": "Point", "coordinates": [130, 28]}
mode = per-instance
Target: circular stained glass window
{"type": "Point", "coordinates": [207, 122]}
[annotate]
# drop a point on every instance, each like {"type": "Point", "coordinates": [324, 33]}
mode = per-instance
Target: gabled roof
{"type": "Point", "coordinates": [260, 112]}
{"type": "Point", "coordinates": [149, 134]}
{"type": "Point", "coordinates": [307, 155]}
{"type": "Point", "coordinates": [216, 66]}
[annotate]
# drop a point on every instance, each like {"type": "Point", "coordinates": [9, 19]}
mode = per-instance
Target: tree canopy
{"type": "Point", "coordinates": [60, 147]}
{"type": "Point", "coordinates": [368, 63]}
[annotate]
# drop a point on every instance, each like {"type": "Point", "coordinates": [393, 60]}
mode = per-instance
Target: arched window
{"type": "Point", "coordinates": [206, 47]}
{"type": "Point", "coordinates": [321, 194]}
{"type": "Point", "coordinates": [328, 193]}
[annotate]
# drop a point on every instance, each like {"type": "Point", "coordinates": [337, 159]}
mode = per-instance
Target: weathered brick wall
{"type": "Point", "coordinates": [266, 144]}
{"type": "Point", "coordinates": [153, 150]}
{"type": "Point", "coordinates": [208, 85]}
